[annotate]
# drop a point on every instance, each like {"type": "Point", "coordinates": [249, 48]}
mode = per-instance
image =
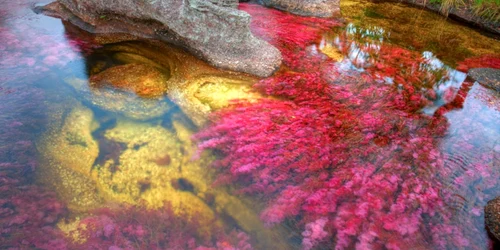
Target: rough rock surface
{"type": "Point", "coordinates": [212, 29]}
{"type": "Point", "coordinates": [318, 8]}
{"type": "Point", "coordinates": [492, 216]}
{"type": "Point", "coordinates": [486, 76]}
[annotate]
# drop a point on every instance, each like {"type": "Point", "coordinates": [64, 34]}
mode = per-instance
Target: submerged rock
{"type": "Point", "coordinates": [67, 153]}
{"type": "Point", "coordinates": [144, 80]}
{"type": "Point", "coordinates": [201, 95]}
{"type": "Point", "coordinates": [492, 216]}
{"type": "Point", "coordinates": [127, 104]}
{"type": "Point", "coordinates": [152, 70]}
{"type": "Point", "coordinates": [141, 175]}
{"type": "Point", "coordinates": [318, 8]}
{"type": "Point", "coordinates": [157, 167]}
{"type": "Point", "coordinates": [486, 76]}
{"type": "Point", "coordinates": [213, 30]}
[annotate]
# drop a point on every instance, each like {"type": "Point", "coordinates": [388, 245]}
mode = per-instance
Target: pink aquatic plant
{"type": "Point", "coordinates": [27, 217]}
{"type": "Point", "coordinates": [28, 213]}
{"type": "Point", "coordinates": [346, 155]}
{"type": "Point", "coordinates": [292, 34]}
{"type": "Point", "coordinates": [138, 228]}
{"type": "Point", "coordinates": [486, 61]}
{"type": "Point", "coordinates": [319, 155]}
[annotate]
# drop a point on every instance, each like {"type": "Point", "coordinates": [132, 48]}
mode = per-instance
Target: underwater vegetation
{"type": "Point", "coordinates": [349, 157]}
{"type": "Point", "coordinates": [28, 213]}
{"type": "Point", "coordinates": [487, 9]}
{"type": "Point", "coordinates": [341, 151]}
{"type": "Point", "coordinates": [138, 228]}
{"type": "Point", "coordinates": [292, 34]}
{"type": "Point", "coordinates": [485, 61]}
{"type": "Point", "coordinates": [32, 217]}
{"type": "Point", "coordinates": [418, 29]}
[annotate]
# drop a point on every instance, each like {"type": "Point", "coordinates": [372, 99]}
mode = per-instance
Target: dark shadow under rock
{"type": "Point", "coordinates": [214, 30]}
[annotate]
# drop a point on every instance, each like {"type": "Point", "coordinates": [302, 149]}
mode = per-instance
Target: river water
{"type": "Point", "coordinates": [370, 136]}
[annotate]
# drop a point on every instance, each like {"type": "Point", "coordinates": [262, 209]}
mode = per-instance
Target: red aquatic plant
{"type": "Point", "coordinates": [28, 213]}
{"type": "Point", "coordinates": [139, 228]}
{"type": "Point", "coordinates": [292, 34]}
{"type": "Point", "coordinates": [361, 178]}
{"type": "Point", "coordinates": [28, 216]}
{"type": "Point", "coordinates": [348, 156]}
{"type": "Point", "coordinates": [485, 61]}
{"type": "Point", "coordinates": [27, 49]}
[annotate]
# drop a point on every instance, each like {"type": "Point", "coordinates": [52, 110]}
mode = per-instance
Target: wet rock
{"type": "Point", "coordinates": [201, 95]}
{"type": "Point", "coordinates": [492, 216]}
{"type": "Point", "coordinates": [127, 104]}
{"type": "Point", "coordinates": [196, 87]}
{"type": "Point", "coordinates": [488, 77]}
{"type": "Point", "coordinates": [144, 80]}
{"type": "Point", "coordinates": [318, 8]}
{"type": "Point", "coordinates": [213, 30]}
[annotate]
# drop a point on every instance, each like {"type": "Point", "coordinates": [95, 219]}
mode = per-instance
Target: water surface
{"type": "Point", "coordinates": [370, 135]}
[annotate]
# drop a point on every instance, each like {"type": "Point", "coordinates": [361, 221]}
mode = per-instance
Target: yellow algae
{"type": "Point", "coordinates": [202, 95]}
{"type": "Point", "coordinates": [196, 87]}
{"type": "Point", "coordinates": [72, 230]}
{"type": "Point", "coordinates": [126, 58]}
{"type": "Point", "coordinates": [331, 51]}
{"type": "Point", "coordinates": [419, 29]}
{"type": "Point", "coordinates": [143, 80]}
{"type": "Point", "coordinates": [67, 153]}
{"type": "Point", "coordinates": [139, 178]}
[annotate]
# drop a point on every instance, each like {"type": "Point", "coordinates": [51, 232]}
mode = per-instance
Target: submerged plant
{"type": "Point", "coordinates": [139, 228]}
{"type": "Point", "coordinates": [486, 61]}
{"type": "Point", "coordinates": [347, 157]}
{"type": "Point", "coordinates": [321, 157]}
{"type": "Point", "coordinates": [292, 34]}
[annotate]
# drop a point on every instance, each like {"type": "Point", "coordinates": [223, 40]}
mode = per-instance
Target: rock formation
{"type": "Point", "coordinates": [492, 216]}
{"type": "Point", "coordinates": [124, 103]}
{"type": "Point", "coordinates": [488, 77]}
{"type": "Point", "coordinates": [318, 8]}
{"type": "Point", "coordinates": [157, 74]}
{"type": "Point", "coordinates": [67, 152]}
{"type": "Point", "coordinates": [213, 30]}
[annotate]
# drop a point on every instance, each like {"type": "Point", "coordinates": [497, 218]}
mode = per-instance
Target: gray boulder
{"type": "Point", "coordinates": [492, 216]}
{"type": "Point", "coordinates": [318, 8]}
{"type": "Point", "coordinates": [488, 77]}
{"type": "Point", "coordinates": [214, 30]}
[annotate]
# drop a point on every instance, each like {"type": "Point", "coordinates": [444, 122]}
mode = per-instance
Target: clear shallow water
{"type": "Point", "coordinates": [371, 137]}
